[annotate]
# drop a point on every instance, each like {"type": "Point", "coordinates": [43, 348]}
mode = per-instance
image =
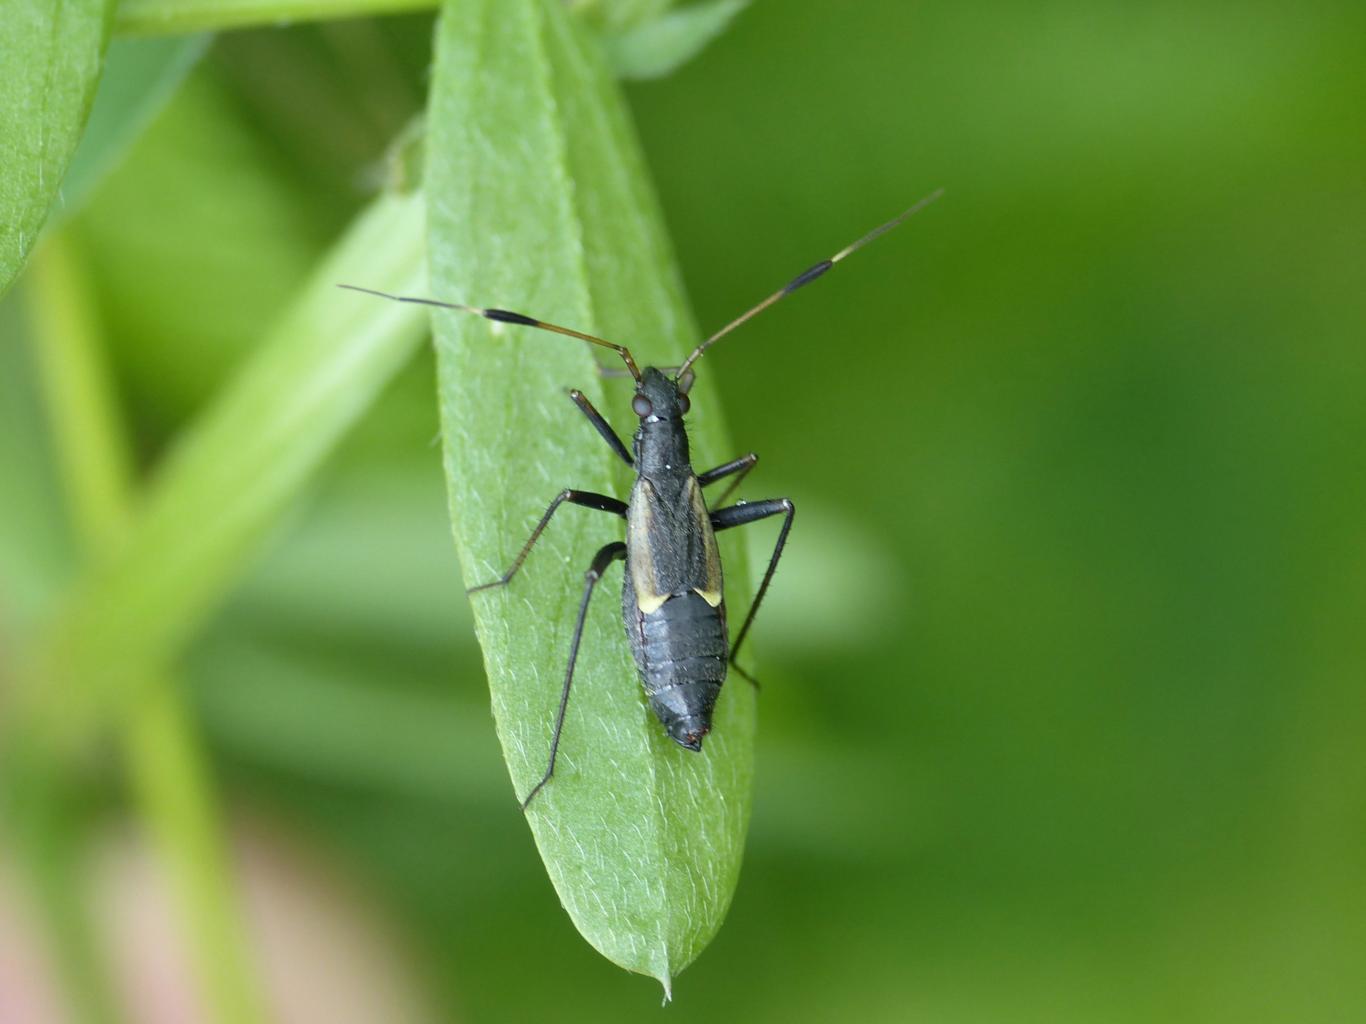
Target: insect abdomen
{"type": "Point", "coordinates": [680, 650]}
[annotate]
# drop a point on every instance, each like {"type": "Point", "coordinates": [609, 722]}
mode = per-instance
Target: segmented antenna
{"type": "Point", "coordinates": [504, 316]}
{"type": "Point", "coordinates": [807, 276]}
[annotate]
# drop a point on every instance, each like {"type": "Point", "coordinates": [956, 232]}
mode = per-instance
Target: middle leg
{"type": "Point", "coordinates": [588, 499]}
{"type": "Point", "coordinates": [739, 467]}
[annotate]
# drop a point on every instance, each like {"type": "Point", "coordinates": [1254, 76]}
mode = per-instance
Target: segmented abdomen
{"type": "Point", "coordinates": [680, 650]}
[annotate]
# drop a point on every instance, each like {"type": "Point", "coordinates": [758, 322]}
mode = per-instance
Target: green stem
{"type": "Point", "coordinates": [178, 17]}
{"type": "Point", "coordinates": [230, 478]}
{"type": "Point", "coordinates": [167, 769]}
{"type": "Point", "coordinates": [174, 17]}
{"type": "Point", "coordinates": [47, 831]}
{"type": "Point", "coordinates": [170, 775]}
{"type": "Point", "coordinates": [91, 449]}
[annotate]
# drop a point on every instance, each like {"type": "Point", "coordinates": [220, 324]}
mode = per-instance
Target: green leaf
{"type": "Point", "coordinates": [235, 472]}
{"type": "Point", "coordinates": [660, 47]}
{"type": "Point", "coordinates": [50, 52]}
{"type": "Point", "coordinates": [539, 202]}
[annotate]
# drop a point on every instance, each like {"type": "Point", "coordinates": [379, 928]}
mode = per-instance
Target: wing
{"type": "Point", "coordinates": [672, 545]}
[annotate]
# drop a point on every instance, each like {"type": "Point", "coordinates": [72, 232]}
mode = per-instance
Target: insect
{"type": "Point", "coordinates": [673, 598]}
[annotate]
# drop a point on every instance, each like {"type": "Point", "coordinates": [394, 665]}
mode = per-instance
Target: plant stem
{"type": "Point", "coordinates": [231, 476]}
{"type": "Point", "coordinates": [47, 833]}
{"type": "Point", "coordinates": [166, 766]}
{"type": "Point", "coordinates": [170, 775]}
{"type": "Point", "coordinates": [174, 17]}
{"type": "Point", "coordinates": [92, 451]}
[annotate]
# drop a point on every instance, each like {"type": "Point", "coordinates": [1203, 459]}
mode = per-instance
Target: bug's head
{"type": "Point", "coordinates": [661, 397]}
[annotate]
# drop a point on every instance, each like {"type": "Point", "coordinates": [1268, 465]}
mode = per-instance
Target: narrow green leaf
{"type": "Point", "coordinates": [50, 52]}
{"type": "Point", "coordinates": [539, 202]}
{"type": "Point", "coordinates": [235, 472]}
{"type": "Point", "coordinates": [661, 46]}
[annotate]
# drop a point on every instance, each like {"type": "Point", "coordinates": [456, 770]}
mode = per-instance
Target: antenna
{"type": "Point", "coordinates": [807, 276]}
{"type": "Point", "coordinates": [507, 317]}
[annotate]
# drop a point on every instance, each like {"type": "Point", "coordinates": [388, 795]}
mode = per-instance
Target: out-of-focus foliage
{"type": "Point", "coordinates": [138, 78]}
{"type": "Point", "coordinates": [662, 45]}
{"type": "Point", "coordinates": [1062, 705]}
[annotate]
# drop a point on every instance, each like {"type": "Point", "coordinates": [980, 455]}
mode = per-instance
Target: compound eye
{"type": "Point", "coordinates": [641, 406]}
{"type": "Point", "coordinates": [684, 404]}
{"type": "Point", "coordinates": [685, 383]}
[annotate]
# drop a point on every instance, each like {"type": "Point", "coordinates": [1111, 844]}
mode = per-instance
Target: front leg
{"type": "Point", "coordinates": [750, 512]}
{"type": "Point", "coordinates": [601, 426]}
{"type": "Point", "coordinates": [588, 499]}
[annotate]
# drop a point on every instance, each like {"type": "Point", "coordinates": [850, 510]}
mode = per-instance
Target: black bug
{"type": "Point", "coordinates": [673, 604]}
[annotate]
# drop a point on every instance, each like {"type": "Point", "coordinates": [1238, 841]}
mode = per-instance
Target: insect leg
{"type": "Point", "coordinates": [740, 466]}
{"type": "Point", "coordinates": [750, 512]}
{"type": "Point", "coordinates": [609, 554]}
{"type": "Point", "coordinates": [602, 426]}
{"type": "Point", "coordinates": [587, 499]}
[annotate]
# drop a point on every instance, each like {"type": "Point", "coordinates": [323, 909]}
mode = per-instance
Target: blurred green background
{"type": "Point", "coordinates": [1063, 713]}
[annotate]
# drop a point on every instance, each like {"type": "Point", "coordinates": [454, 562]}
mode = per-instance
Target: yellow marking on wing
{"type": "Point", "coordinates": [710, 591]}
{"type": "Point", "coordinates": [643, 574]}
{"type": "Point", "coordinates": [650, 603]}
{"type": "Point", "coordinates": [712, 597]}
